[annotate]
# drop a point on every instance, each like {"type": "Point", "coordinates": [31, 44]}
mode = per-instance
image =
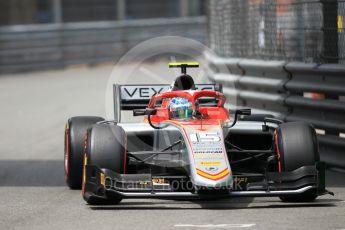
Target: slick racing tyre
{"type": "Point", "coordinates": [297, 146]}
{"type": "Point", "coordinates": [106, 148]}
{"type": "Point", "coordinates": [74, 148]}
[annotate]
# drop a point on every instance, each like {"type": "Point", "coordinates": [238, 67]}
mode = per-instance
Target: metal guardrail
{"type": "Point", "coordinates": [293, 92]}
{"type": "Point", "coordinates": [39, 47]}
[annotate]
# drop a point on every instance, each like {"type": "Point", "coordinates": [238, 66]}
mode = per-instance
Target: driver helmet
{"type": "Point", "coordinates": [180, 108]}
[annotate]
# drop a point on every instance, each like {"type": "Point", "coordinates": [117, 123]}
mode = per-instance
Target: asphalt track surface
{"type": "Point", "coordinates": [33, 195]}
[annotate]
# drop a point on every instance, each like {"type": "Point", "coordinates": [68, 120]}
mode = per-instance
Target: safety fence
{"type": "Point", "coordinates": [293, 92]}
{"type": "Point", "coordinates": [39, 47]}
{"type": "Point", "coordinates": [293, 30]}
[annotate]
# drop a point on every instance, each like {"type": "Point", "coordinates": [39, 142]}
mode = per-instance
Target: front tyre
{"type": "Point", "coordinates": [75, 130]}
{"type": "Point", "coordinates": [297, 146]}
{"type": "Point", "coordinates": [106, 148]}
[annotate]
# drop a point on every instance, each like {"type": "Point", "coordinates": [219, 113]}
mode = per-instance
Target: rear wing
{"type": "Point", "coordinates": [130, 97]}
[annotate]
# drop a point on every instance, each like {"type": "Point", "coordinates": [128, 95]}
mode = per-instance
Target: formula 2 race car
{"type": "Point", "coordinates": [189, 146]}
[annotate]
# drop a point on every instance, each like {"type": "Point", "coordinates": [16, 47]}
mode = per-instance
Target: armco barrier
{"type": "Point", "coordinates": [38, 47]}
{"type": "Point", "coordinates": [284, 89]}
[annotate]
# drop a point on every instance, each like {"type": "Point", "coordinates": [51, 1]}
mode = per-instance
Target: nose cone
{"type": "Point", "coordinates": [219, 180]}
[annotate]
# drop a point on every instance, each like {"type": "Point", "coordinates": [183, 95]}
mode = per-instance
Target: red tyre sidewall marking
{"type": "Point", "coordinates": [278, 150]}
{"type": "Point", "coordinates": [66, 153]}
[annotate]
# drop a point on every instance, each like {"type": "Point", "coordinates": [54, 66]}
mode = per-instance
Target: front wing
{"type": "Point", "coordinates": [103, 183]}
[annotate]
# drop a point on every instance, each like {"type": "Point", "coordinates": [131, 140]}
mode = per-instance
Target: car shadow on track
{"type": "Point", "coordinates": [233, 203]}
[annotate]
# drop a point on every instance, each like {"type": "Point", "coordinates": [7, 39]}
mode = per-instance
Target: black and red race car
{"type": "Point", "coordinates": [189, 146]}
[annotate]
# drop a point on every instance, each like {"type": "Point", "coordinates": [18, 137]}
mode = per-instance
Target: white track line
{"type": "Point", "coordinates": [214, 225]}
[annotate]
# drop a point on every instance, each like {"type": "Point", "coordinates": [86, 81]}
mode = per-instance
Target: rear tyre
{"type": "Point", "coordinates": [297, 145]}
{"type": "Point", "coordinates": [74, 148]}
{"type": "Point", "coordinates": [106, 148]}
